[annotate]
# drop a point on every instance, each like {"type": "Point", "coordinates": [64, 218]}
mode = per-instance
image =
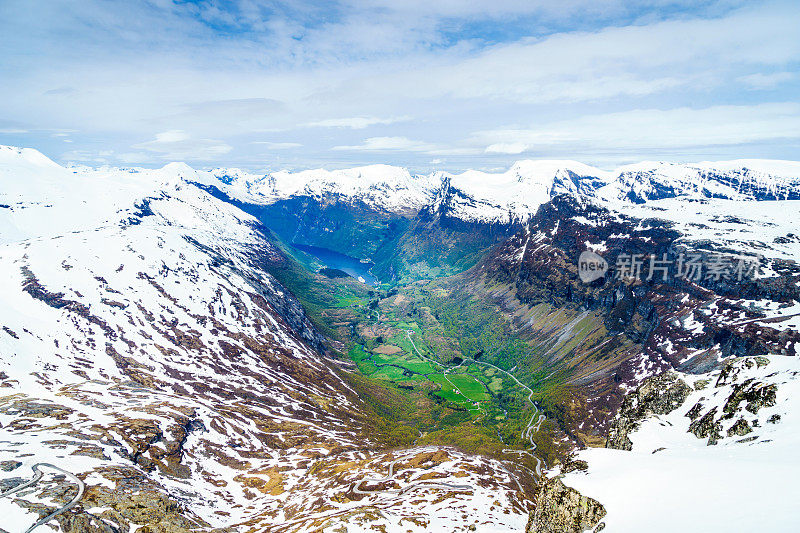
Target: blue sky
{"type": "Point", "coordinates": [426, 84]}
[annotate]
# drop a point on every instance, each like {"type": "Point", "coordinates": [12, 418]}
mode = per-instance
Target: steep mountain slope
{"type": "Point", "coordinates": [515, 195]}
{"type": "Point", "coordinates": [414, 227]}
{"type": "Point", "coordinates": [600, 342]}
{"type": "Point", "coordinates": [604, 337]}
{"type": "Point", "coordinates": [148, 346]}
{"type": "Point", "coordinates": [145, 350]}
{"type": "Point", "coordinates": [733, 180]}
{"type": "Point", "coordinates": [722, 459]}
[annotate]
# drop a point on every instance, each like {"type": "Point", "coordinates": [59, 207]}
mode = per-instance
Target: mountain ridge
{"type": "Point", "coordinates": [518, 191]}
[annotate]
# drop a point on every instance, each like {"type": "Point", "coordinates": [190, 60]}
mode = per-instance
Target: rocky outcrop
{"type": "Point", "coordinates": [562, 509]}
{"type": "Point", "coordinates": [657, 395]}
{"type": "Point", "coordinates": [745, 399]}
{"type": "Point", "coordinates": [707, 427]}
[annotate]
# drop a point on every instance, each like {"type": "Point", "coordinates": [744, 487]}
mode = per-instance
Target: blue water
{"type": "Point", "coordinates": [345, 263]}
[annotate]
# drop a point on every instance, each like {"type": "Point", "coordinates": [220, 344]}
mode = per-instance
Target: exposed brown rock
{"type": "Point", "coordinates": [657, 395]}
{"type": "Point", "coordinates": [562, 509]}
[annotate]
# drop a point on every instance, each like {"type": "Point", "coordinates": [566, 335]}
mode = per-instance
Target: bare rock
{"type": "Point", "coordinates": [562, 509]}
{"type": "Point", "coordinates": [657, 395]}
{"type": "Point", "coordinates": [740, 428]}
{"type": "Point", "coordinates": [8, 466]}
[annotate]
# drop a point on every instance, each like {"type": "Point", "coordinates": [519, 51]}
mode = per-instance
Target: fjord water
{"type": "Point", "coordinates": [345, 263]}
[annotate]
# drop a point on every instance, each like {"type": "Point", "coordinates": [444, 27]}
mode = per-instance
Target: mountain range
{"type": "Point", "coordinates": [180, 341]}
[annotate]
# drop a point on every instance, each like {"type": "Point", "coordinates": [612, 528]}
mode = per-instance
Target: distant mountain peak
{"type": "Point", "coordinates": [31, 156]}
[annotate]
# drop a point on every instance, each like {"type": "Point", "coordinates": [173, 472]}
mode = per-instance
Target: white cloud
{"type": "Point", "coordinates": [766, 81]}
{"type": "Point", "coordinates": [534, 73]}
{"type": "Point", "coordinates": [278, 146]}
{"type": "Point", "coordinates": [355, 123]}
{"type": "Point", "coordinates": [635, 60]}
{"type": "Point", "coordinates": [507, 148]}
{"type": "Point", "coordinates": [168, 137]}
{"type": "Point", "coordinates": [648, 129]}
{"type": "Point", "coordinates": [389, 144]}
{"type": "Point", "coordinates": [178, 145]}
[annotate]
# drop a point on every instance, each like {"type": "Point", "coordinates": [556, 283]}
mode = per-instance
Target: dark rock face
{"type": "Point", "coordinates": [740, 428]}
{"type": "Point", "coordinates": [707, 426]}
{"type": "Point", "coordinates": [8, 466]}
{"type": "Point", "coordinates": [577, 464]}
{"type": "Point", "coordinates": [754, 395]}
{"type": "Point", "coordinates": [124, 509]}
{"type": "Point", "coordinates": [657, 395]}
{"type": "Point", "coordinates": [662, 324]}
{"type": "Point", "coordinates": [10, 483]}
{"type": "Point", "coordinates": [562, 509]}
{"type": "Point", "coordinates": [732, 368]}
{"type": "Point", "coordinates": [747, 396]}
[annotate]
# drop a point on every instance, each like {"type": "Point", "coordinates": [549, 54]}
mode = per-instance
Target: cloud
{"type": "Point", "coordinates": [223, 74]}
{"type": "Point", "coordinates": [766, 81]}
{"type": "Point", "coordinates": [355, 123]}
{"type": "Point", "coordinates": [652, 129]}
{"type": "Point", "coordinates": [389, 144]}
{"type": "Point", "coordinates": [178, 145]}
{"type": "Point", "coordinates": [584, 66]}
{"type": "Point", "coordinates": [277, 146]}
{"type": "Point", "coordinates": [503, 9]}
{"type": "Point", "coordinates": [507, 148]}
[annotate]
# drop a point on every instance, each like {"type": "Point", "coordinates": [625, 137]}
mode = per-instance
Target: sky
{"type": "Point", "coordinates": [442, 84]}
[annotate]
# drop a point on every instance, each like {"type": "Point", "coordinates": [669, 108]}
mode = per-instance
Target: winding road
{"type": "Point", "coordinates": [37, 476]}
{"type": "Point", "coordinates": [532, 427]}
{"type": "Point", "coordinates": [444, 372]}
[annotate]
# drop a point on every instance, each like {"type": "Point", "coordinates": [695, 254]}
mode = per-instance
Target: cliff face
{"type": "Point", "coordinates": [657, 395]}
{"type": "Point", "coordinates": [561, 509]}
{"type": "Point", "coordinates": [689, 438]}
{"type": "Point", "coordinates": [606, 336]}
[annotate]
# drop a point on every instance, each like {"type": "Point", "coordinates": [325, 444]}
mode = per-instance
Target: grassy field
{"type": "Point", "coordinates": [421, 392]}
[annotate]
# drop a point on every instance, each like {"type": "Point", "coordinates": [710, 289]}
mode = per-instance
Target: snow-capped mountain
{"type": "Point", "coordinates": [145, 350]}
{"type": "Point", "coordinates": [145, 347]}
{"type": "Point", "coordinates": [514, 195]}
{"type": "Point", "coordinates": [384, 187]}
{"type": "Point", "coordinates": [734, 180]}
{"type": "Point", "coordinates": [712, 452]}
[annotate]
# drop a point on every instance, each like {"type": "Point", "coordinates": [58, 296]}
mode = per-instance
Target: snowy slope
{"type": "Point", "coordinates": [673, 481]}
{"type": "Point", "coordinates": [734, 180]}
{"type": "Point", "coordinates": [143, 349]}
{"type": "Point", "coordinates": [516, 194]}
{"type": "Point", "coordinates": [767, 228]}
{"type": "Point", "coordinates": [383, 187]}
